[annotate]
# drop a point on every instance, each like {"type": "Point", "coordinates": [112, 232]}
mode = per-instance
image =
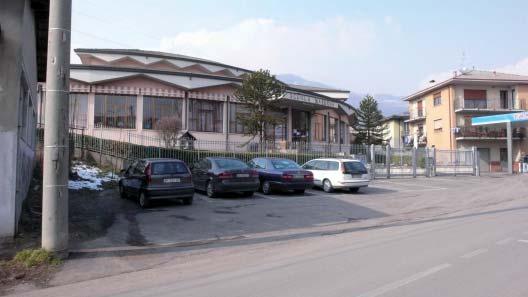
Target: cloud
{"type": "Point", "coordinates": [520, 67]}
{"type": "Point", "coordinates": [307, 49]}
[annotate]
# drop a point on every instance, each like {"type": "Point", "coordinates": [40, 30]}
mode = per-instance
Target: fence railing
{"type": "Point", "coordinates": [383, 161]}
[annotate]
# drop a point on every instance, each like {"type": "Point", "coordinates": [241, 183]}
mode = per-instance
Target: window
{"type": "Point", "coordinates": [278, 131]}
{"type": "Point", "coordinates": [333, 165]}
{"type": "Point", "coordinates": [115, 111]}
{"type": "Point", "coordinates": [155, 109]}
{"type": "Point", "coordinates": [320, 165]}
{"type": "Point", "coordinates": [163, 168]}
{"type": "Point", "coordinates": [261, 164]}
{"type": "Point", "coordinates": [230, 164]}
{"type": "Point", "coordinates": [333, 130]}
{"type": "Point", "coordinates": [300, 125]}
{"type": "Point", "coordinates": [235, 125]}
{"type": "Point", "coordinates": [437, 99]}
{"type": "Point", "coordinates": [309, 165]}
{"type": "Point", "coordinates": [319, 127]}
{"type": "Point", "coordinates": [354, 168]}
{"type": "Point", "coordinates": [205, 115]}
{"type": "Point", "coordinates": [437, 125]}
{"type": "Point", "coordinates": [343, 129]}
{"type": "Point", "coordinates": [475, 99]}
{"type": "Point", "coordinates": [504, 99]}
{"type": "Point", "coordinates": [284, 164]}
{"type": "Point", "coordinates": [78, 110]}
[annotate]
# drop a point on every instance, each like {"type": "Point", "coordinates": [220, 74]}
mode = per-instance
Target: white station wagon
{"type": "Point", "coordinates": [331, 173]}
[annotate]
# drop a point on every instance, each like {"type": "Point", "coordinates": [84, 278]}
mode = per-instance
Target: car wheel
{"type": "Point", "coordinates": [354, 190]}
{"type": "Point", "coordinates": [122, 193]}
{"type": "Point", "coordinates": [209, 189]}
{"type": "Point", "coordinates": [188, 200]}
{"type": "Point", "coordinates": [266, 187]}
{"type": "Point", "coordinates": [144, 201]}
{"type": "Point", "coordinates": [298, 191]}
{"type": "Point", "coordinates": [327, 186]}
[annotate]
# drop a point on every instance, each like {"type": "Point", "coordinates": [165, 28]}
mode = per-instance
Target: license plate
{"type": "Point", "coordinates": [298, 176]}
{"type": "Point", "coordinates": [243, 175]}
{"type": "Point", "coordinates": [357, 176]}
{"type": "Point", "coordinates": [171, 180]}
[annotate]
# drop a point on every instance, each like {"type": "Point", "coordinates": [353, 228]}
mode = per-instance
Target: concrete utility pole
{"type": "Point", "coordinates": [55, 180]}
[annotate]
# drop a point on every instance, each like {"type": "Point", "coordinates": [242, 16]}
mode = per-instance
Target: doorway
{"type": "Point", "coordinates": [484, 159]}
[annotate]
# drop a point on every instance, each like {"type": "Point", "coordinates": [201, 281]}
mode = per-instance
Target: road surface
{"type": "Point", "coordinates": [479, 254]}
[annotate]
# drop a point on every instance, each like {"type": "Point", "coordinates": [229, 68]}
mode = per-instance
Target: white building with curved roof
{"type": "Point", "coordinates": [125, 91]}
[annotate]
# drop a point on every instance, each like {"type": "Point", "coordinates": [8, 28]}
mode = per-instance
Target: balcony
{"type": "Point", "coordinates": [408, 139]}
{"type": "Point", "coordinates": [489, 105]}
{"type": "Point", "coordinates": [475, 133]}
{"type": "Point", "coordinates": [416, 115]}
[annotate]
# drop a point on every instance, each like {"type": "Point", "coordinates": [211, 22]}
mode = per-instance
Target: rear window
{"type": "Point", "coordinates": [354, 168]}
{"type": "Point", "coordinates": [168, 168]}
{"type": "Point", "coordinates": [230, 164]}
{"type": "Point", "coordinates": [284, 164]}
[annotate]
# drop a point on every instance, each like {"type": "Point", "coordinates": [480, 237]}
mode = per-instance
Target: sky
{"type": "Point", "coordinates": [381, 47]}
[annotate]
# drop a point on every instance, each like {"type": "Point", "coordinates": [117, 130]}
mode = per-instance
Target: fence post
{"type": "Point", "coordinates": [414, 162]}
{"type": "Point", "coordinates": [476, 161]}
{"type": "Point", "coordinates": [434, 162]}
{"type": "Point", "coordinates": [427, 161]}
{"type": "Point", "coordinates": [372, 162]}
{"type": "Point", "coordinates": [388, 159]}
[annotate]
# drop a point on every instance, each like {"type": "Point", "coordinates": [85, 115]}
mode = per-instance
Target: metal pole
{"type": "Point", "coordinates": [427, 165]}
{"type": "Point", "coordinates": [388, 160]}
{"type": "Point", "coordinates": [474, 163]}
{"type": "Point", "coordinates": [434, 162]}
{"type": "Point", "coordinates": [372, 162]}
{"type": "Point", "coordinates": [55, 167]}
{"type": "Point", "coordinates": [509, 144]}
{"type": "Point", "coordinates": [414, 162]}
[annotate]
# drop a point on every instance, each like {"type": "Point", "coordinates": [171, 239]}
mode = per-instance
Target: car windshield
{"type": "Point", "coordinates": [230, 164]}
{"type": "Point", "coordinates": [354, 168]}
{"type": "Point", "coordinates": [284, 164]}
{"type": "Point", "coordinates": [168, 168]}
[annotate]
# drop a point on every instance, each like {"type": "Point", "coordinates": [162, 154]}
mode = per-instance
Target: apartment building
{"type": "Point", "coordinates": [440, 115]}
{"type": "Point", "coordinates": [396, 130]}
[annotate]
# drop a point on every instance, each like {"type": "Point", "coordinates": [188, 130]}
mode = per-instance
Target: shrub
{"type": "Point", "coordinates": [35, 257]}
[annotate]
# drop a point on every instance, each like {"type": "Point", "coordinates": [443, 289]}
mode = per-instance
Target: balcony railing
{"type": "Point", "coordinates": [490, 104]}
{"type": "Point", "coordinates": [408, 139]}
{"type": "Point", "coordinates": [487, 132]}
{"type": "Point", "coordinates": [417, 115]}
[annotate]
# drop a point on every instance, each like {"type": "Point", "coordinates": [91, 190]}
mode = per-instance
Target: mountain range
{"type": "Point", "coordinates": [389, 104]}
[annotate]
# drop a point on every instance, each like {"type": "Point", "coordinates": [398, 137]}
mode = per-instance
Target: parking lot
{"type": "Point", "coordinates": [104, 220]}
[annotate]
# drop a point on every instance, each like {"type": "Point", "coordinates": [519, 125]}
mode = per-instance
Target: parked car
{"type": "Point", "coordinates": [331, 174]}
{"type": "Point", "coordinates": [216, 175]}
{"type": "Point", "coordinates": [149, 179]}
{"type": "Point", "coordinates": [281, 174]}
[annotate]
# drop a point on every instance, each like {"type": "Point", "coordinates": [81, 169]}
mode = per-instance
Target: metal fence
{"type": "Point", "coordinates": [382, 161]}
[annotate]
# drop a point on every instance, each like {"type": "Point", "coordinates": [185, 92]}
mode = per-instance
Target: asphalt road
{"type": "Point", "coordinates": [480, 254]}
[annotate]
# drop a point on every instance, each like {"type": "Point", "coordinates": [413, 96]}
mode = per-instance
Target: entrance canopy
{"type": "Point", "coordinates": [501, 120]}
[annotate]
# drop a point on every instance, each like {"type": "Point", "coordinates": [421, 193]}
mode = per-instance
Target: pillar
{"type": "Point", "coordinates": [90, 113]}
{"type": "Point", "coordinates": [139, 113]}
{"type": "Point", "coordinates": [290, 125]}
{"type": "Point", "coordinates": [225, 121]}
{"type": "Point", "coordinates": [509, 145]}
{"type": "Point", "coordinates": [185, 111]}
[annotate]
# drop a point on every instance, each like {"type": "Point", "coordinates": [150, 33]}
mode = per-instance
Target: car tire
{"type": "Point", "coordinates": [188, 201]}
{"type": "Point", "coordinates": [266, 188]}
{"type": "Point", "coordinates": [353, 190]}
{"type": "Point", "coordinates": [122, 193]}
{"type": "Point", "coordinates": [327, 186]}
{"type": "Point", "coordinates": [247, 194]}
{"type": "Point", "coordinates": [144, 201]}
{"type": "Point", "coordinates": [298, 191]}
{"type": "Point", "coordinates": [209, 190]}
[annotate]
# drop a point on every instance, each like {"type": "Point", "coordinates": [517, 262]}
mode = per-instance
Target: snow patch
{"type": "Point", "coordinates": [90, 177]}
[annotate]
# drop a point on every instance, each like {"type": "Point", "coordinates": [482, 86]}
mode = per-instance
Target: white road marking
{"type": "Point", "coordinates": [330, 223]}
{"type": "Point", "coordinates": [504, 241]}
{"type": "Point", "coordinates": [398, 284]}
{"type": "Point", "coordinates": [410, 185]}
{"type": "Point", "coordinates": [523, 240]}
{"type": "Point", "coordinates": [473, 253]}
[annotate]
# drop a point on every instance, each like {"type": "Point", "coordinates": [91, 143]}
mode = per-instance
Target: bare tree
{"type": "Point", "coordinates": [169, 128]}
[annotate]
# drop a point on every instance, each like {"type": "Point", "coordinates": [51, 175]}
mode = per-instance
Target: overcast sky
{"type": "Point", "coordinates": [364, 46]}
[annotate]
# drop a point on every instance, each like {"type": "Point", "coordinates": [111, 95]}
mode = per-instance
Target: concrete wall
{"type": "Point", "coordinates": [17, 115]}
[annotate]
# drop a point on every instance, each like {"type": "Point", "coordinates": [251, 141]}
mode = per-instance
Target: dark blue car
{"type": "Point", "coordinates": [281, 174]}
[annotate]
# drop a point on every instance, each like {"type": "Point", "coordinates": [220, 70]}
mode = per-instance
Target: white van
{"type": "Point", "coordinates": [331, 173]}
